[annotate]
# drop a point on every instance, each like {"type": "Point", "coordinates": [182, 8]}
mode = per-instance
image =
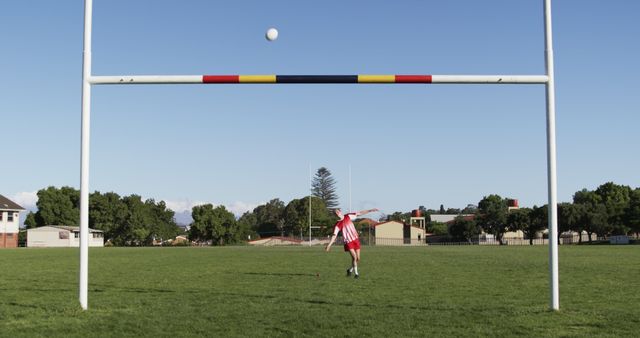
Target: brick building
{"type": "Point", "coordinates": [9, 222]}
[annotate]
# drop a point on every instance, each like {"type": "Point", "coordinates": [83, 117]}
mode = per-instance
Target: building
{"type": "Point", "coordinates": [9, 222]}
{"type": "Point", "coordinates": [61, 236]}
{"type": "Point", "coordinates": [449, 218]}
{"type": "Point", "coordinates": [509, 237]}
{"type": "Point", "coordinates": [398, 233]}
{"type": "Point", "coordinates": [512, 204]}
{"type": "Point", "coordinates": [571, 237]}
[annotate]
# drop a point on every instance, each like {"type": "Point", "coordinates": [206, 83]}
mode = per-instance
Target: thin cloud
{"type": "Point", "coordinates": [26, 199]}
{"type": "Point", "coordinates": [237, 208]}
{"type": "Point", "coordinates": [182, 205]}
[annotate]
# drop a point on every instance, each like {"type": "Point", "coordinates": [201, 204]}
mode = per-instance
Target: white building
{"type": "Point", "coordinates": [61, 236]}
{"type": "Point", "coordinates": [9, 223]}
{"type": "Point", "coordinates": [446, 218]}
{"type": "Point", "coordinates": [397, 233]}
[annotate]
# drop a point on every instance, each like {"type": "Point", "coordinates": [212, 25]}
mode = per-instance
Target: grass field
{"type": "Point", "coordinates": [299, 291]}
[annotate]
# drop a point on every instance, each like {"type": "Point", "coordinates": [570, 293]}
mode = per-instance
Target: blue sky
{"type": "Point", "coordinates": [242, 145]}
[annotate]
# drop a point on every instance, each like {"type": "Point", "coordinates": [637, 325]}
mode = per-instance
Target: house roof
{"type": "Point", "coordinates": [446, 218]}
{"type": "Point", "coordinates": [442, 218]}
{"type": "Point", "coordinates": [62, 227]}
{"type": "Point", "coordinates": [7, 204]}
{"type": "Point", "coordinates": [403, 224]}
{"type": "Point", "coordinates": [368, 221]}
{"type": "Point", "coordinates": [386, 222]}
{"type": "Point", "coordinates": [470, 217]}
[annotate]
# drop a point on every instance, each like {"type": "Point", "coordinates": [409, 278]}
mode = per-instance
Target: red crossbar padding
{"type": "Point", "coordinates": [413, 78]}
{"type": "Point", "coordinates": [220, 79]}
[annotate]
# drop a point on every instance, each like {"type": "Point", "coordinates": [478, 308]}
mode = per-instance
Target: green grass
{"type": "Point", "coordinates": [246, 291]}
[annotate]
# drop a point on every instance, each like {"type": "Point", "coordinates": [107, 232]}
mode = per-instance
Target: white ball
{"type": "Point", "coordinates": [272, 34]}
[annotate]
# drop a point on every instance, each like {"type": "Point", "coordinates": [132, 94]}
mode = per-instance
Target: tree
{"type": "Point", "coordinates": [595, 220]}
{"type": "Point", "coordinates": [30, 220]}
{"type": "Point", "coordinates": [212, 224]}
{"type": "Point", "coordinates": [438, 228]}
{"type": "Point", "coordinates": [247, 226]}
{"type": "Point", "coordinates": [463, 229]}
{"type": "Point", "coordinates": [615, 199]}
{"type": "Point", "coordinates": [297, 215]}
{"type": "Point", "coordinates": [520, 219]}
{"type": "Point", "coordinates": [107, 212]}
{"type": "Point", "coordinates": [453, 211]}
{"type": "Point", "coordinates": [399, 216]}
{"type": "Point", "coordinates": [442, 211]}
{"type": "Point", "coordinates": [124, 220]}
{"type": "Point", "coordinates": [632, 213]}
{"type": "Point", "coordinates": [163, 225]}
{"type": "Point", "coordinates": [469, 209]}
{"type": "Point", "coordinates": [134, 228]}
{"type": "Point", "coordinates": [594, 216]}
{"type": "Point", "coordinates": [569, 218]}
{"type": "Point", "coordinates": [58, 206]}
{"type": "Point", "coordinates": [270, 217]}
{"type": "Point", "coordinates": [130, 221]}
{"type": "Point", "coordinates": [324, 187]}
{"type": "Point", "coordinates": [492, 216]}
{"type": "Point", "coordinates": [538, 221]}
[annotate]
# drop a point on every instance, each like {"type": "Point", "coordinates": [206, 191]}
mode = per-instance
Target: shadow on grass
{"type": "Point", "coordinates": [99, 288]}
{"type": "Point", "coordinates": [42, 307]}
{"type": "Point", "coordinates": [279, 274]}
{"type": "Point", "coordinates": [105, 288]}
{"type": "Point", "coordinates": [39, 289]}
{"type": "Point", "coordinates": [328, 302]}
{"type": "Point", "coordinates": [368, 305]}
{"type": "Point", "coordinates": [28, 306]}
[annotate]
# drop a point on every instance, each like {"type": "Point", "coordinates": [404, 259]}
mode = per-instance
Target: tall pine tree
{"type": "Point", "coordinates": [324, 187]}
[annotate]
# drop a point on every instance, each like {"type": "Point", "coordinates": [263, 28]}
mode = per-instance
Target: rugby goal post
{"type": "Point", "coordinates": [547, 79]}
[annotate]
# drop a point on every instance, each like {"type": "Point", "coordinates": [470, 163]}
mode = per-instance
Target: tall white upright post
{"type": "Point", "coordinates": [84, 161]}
{"type": "Point", "coordinates": [350, 210]}
{"type": "Point", "coordinates": [551, 161]}
{"type": "Point", "coordinates": [310, 189]}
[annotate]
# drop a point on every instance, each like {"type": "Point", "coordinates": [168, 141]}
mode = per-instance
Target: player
{"type": "Point", "coordinates": [351, 240]}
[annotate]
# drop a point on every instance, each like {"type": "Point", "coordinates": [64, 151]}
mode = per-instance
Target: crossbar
{"type": "Point", "coordinates": [319, 79]}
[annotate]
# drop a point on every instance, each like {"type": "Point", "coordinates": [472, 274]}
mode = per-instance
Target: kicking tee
{"type": "Point", "coordinates": [346, 226]}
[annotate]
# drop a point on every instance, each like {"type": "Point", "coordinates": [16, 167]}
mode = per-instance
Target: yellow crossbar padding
{"type": "Point", "coordinates": [257, 79]}
{"type": "Point", "coordinates": [376, 78]}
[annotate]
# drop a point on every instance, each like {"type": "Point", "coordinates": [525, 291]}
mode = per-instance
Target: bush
{"type": "Point", "coordinates": [438, 229]}
{"type": "Point", "coordinates": [22, 238]}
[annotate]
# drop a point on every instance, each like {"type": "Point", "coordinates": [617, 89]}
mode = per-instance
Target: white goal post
{"type": "Point", "coordinates": [547, 79]}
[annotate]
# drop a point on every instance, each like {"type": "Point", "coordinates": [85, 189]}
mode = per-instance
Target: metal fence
{"type": "Point", "coordinates": [432, 240]}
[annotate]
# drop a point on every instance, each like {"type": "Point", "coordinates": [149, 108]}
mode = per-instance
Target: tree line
{"type": "Point", "coordinates": [216, 225]}
{"type": "Point", "coordinates": [125, 220]}
{"type": "Point", "coordinates": [131, 221]}
{"type": "Point", "coordinates": [610, 209]}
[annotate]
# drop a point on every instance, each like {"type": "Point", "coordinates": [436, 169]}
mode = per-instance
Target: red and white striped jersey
{"type": "Point", "coordinates": [346, 226]}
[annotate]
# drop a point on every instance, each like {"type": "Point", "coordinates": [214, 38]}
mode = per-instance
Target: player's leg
{"type": "Point", "coordinates": [356, 248]}
{"type": "Point", "coordinates": [350, 269]}
{"type": "Point", "coordinates": [354, 260]}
